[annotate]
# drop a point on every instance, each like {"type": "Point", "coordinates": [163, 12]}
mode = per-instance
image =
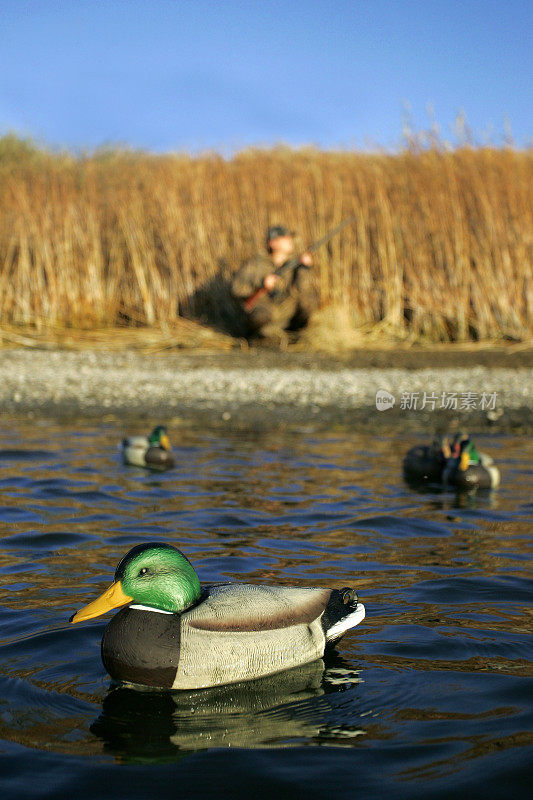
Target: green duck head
{"type": "Point", "coordinates": [159, 438]}
{"type": "Point", "coordinates": [468, 455]}
{"type": "Point", "coordinates": [155, 575]}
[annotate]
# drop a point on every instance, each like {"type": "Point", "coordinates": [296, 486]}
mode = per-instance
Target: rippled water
{"type": "Point", "coordinates": [426, 698]}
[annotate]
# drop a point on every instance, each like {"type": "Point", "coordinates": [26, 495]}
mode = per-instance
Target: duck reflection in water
{"type": "Point", "coordinates": [143, 725]}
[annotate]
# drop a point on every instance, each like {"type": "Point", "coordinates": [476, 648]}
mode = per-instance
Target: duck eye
{"type": "Point", "coordinates": [143, 571]}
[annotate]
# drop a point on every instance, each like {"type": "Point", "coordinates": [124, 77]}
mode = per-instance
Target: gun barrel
{"type": "Point", "coordinates": [331, 233]}
{"type": "Point", "coordinates": [293, 262]}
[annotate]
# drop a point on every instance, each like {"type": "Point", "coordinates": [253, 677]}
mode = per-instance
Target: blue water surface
{"type": "Point", "coordinates": [427, 698]}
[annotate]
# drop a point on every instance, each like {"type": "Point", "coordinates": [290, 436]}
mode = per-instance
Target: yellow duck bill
{"type": "Point", "coordinates": [165, 442]}
{"type": "Point", "coordinates": [113, 597]}
{"type": "Point", "coordinates": [464, 462]}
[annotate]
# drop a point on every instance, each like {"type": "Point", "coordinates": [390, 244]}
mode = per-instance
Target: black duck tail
{"type": "Point", "coordinates": [343, 612]}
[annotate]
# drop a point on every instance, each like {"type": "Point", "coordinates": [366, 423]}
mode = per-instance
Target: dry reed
{"type": "Point", "coordinates": [441, 247]}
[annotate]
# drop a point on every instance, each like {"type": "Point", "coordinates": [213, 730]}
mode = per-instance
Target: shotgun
{"type": "Point", "coordinates": [292, 263]}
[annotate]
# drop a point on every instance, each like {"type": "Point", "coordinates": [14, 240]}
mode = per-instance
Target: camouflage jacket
{"type": "Point", "coordinates": [298, 283]}
{"type": "Point", "coordinates": [249, 278]}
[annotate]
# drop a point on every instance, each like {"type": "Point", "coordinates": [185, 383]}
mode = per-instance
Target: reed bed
{"type": "Point", "coordinates": [441, 247]}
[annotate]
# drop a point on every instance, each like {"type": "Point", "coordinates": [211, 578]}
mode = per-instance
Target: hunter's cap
{"type": "Point", "coordinates": [278, 230]}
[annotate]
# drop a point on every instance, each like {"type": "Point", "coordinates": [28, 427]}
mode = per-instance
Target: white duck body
{"type": "Point", "coordinates": [134, 449]}
{"type": "Point", "coordinates": [238, 632]}
{"type": "Point", "coordinates": [488, 463]}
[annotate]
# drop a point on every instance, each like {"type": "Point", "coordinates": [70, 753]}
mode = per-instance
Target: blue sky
{"type": "Point", "coordinates": [194, 75]}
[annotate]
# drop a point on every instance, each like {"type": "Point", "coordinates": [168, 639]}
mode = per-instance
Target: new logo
{"type": "Point", "coordinates": [384, 400]}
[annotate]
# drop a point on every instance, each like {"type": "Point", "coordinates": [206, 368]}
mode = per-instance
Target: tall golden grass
{"type": "Point", "coordinates": [441, 245]}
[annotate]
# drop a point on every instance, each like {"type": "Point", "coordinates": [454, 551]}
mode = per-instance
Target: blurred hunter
{"type": "Point", "coordinates": [277, 289]}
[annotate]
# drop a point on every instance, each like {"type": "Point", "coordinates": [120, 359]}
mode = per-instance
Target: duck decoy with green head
{"type": "Point", "coordinates": [451, 462]}
{"type": "Point", "coordinates": [152, 451]}
{"type": "Point", "coordinates": [468, 468]}
{"type": "Point", "coordinates": [176, 634]}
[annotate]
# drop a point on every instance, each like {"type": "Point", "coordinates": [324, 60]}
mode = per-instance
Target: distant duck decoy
{"type": "Point", "coordinates": [175, 634]}
{"type": "Point", "coordinates": [151, 451]}
{"type": "Point", "coordinates": [457, 463]}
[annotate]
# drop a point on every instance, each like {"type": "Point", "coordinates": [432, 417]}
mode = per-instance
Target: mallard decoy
{"type": "Point", "coordinates": [148, 451]}
{"type": "Point", "coordinates": [457, 463]}
{"type": "Point", "coordinates": [468, 468]}
{"type": "Point", "coordinates": [174, 634]}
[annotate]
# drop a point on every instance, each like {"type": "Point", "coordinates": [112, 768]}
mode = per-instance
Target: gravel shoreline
{"type": "Point", "coordinates": [248, 391]}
